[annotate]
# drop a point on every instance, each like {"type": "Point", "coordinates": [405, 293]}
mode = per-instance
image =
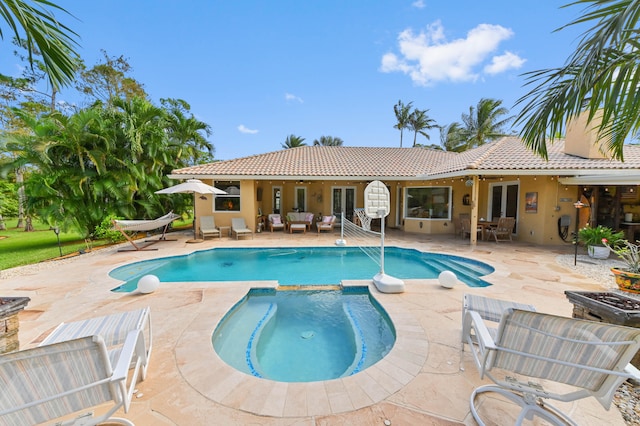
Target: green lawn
{"type": "Point", "coordinates": [18, 247]}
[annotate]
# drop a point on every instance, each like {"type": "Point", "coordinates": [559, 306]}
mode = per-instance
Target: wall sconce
{"type": "Point", "coordinates": [202, 197]}
{"type": "Point", "coordinates": [469, 183]}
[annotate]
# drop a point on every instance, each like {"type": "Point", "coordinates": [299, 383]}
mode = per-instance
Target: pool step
{"type": "Point", "coordinates": [240, 328]}
{"type": "Point", "coordinates": [465, 273]}
{"type": "Point", "coordinates": [308, 287]}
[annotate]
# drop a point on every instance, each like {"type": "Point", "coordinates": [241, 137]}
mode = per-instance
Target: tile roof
{"type": "Point", "coordinates": [327, 161]}
{"type": "Point", "coordinates": [506, 154]}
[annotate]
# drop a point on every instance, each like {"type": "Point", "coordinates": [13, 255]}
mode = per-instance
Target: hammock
{"type": "Point", "coordinates": [144, 225]}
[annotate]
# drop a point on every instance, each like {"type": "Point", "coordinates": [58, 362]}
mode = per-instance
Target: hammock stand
{"type": "Point", "coordinates": [145, 225]}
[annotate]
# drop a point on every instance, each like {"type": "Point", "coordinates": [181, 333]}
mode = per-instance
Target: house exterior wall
{"type": "Point", "coordinates": [539, 227]}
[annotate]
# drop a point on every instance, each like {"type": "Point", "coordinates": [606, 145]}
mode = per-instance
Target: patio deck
{"type": "Point", "coordinates": [419, 382]}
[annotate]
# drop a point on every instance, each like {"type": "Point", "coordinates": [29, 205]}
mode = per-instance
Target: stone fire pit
{"type": "Point", "coordinates": [612, 308]}
{"type": "Point", "coordinates": [10, 307]}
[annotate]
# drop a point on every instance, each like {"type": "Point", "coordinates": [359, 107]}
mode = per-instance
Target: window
{"type": "Point", "coordinates": [277, 199]}
{"type": "Point", "coordinates": [428, 202]}
{"type": "Point", "coordinates": [301, 199]}
{"type": "Point", "coordinates": [229, 202]}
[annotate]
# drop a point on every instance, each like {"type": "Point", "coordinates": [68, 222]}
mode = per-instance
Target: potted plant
{"type": "Point", "coordinates": [592, 238]}
{"type": "Point", "coordinates": [627, 278]}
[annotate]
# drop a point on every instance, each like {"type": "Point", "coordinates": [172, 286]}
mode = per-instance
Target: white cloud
{"type": "Point", "coordinates": [428, 57]}
{"type": "Point", "coordinates": [419, 4]}
{"type": "Point", "coordinates": [243, 129]}
{"type": "Point", "coordinates": [290, 97]}
{"type": "Point", "coordinates": [504, 63]}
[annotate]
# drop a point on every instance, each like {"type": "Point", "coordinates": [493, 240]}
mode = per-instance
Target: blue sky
{"type": "Point", "coordinates": [258, 71]}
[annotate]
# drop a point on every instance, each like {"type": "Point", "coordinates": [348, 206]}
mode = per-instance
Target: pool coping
{"type": "Point", "coordinates": [227, 386]}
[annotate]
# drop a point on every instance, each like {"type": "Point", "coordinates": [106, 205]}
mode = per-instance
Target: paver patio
{"type": "Point", "coordinates": [419, 382]}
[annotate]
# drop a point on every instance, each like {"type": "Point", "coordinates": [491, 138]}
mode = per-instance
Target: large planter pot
{"type": "Point", "coordinates": [598, 252]}
{"type": "Point", "coordinates": [627, 281]}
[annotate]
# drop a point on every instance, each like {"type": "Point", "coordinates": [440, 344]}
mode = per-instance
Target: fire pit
{"type": "Point", "coordinates": [10, 307]}
{"type": "Point", "coordinates": [606, 307]}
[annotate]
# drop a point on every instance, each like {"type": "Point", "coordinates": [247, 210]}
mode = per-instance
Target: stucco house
{"type": "Point", "coordinates": [429, 188]}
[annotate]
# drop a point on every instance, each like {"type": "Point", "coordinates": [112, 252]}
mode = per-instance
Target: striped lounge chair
{"type": "Point", "coordinates": [590, 358]}
{"type": "Point", "coordinates": [114, 329]}
{"type": "Point", "coordinates": [62, 380]}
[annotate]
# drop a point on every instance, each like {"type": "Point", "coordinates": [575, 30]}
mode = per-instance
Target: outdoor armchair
{"type": "Point", "coordinates": [275, 222]}
{"type": "Point", "coordinates": [536, 357]}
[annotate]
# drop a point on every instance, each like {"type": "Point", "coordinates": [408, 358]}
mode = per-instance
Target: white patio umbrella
{"type": "Point", "coordinates": [192, 186]}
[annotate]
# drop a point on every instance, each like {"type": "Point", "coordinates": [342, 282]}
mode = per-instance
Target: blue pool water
{"type": "Point", "coordinates": [304, 336]}
{"type": "Point", "coordinates": [299, 266]}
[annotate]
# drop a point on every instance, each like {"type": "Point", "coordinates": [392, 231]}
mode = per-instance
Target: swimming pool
{"type": "Point", "coordinates": [304, 336]}
{"type": "Point", "coordinates": [299, 266]}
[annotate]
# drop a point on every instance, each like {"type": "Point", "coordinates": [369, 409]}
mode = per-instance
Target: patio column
{"type": "Point", "coordinates": [473, 235]}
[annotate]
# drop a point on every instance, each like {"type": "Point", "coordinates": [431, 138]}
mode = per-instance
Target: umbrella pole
{"type": "Point", "coordinates": [195, 236]}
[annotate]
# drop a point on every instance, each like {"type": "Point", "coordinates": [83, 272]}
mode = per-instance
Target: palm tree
{"type": "Point", "coordinates": [453, 137]}
{"type": "Point", "coordinates": [328, 141]}
{"type": "Point", "coordinates": [418, 122]}
{"type": "Point", "coordinates": [602, 73]}
{"type": "Point", "coordinates": [403, 112]}
{"type": "Point", "coordinates": [484, 123]}
{"type": "Point", "coordinates": [45, 34]}
{"type": "Point", "coordinates": [293, 141]}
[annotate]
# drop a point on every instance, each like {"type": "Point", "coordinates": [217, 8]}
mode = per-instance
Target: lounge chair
{"type": "Point", "coordinates": [114, 329]}
{"type": "Point", "coordinates": [208, 227]}
{"type": "Point", "coordinates": [503, 230]}
{"type": "Point", "coordinates": [589, 358]}
{"type": "Point", "coordinates": [65, 378]}
{"type": "Point", "coordinates": [239, 228]}
{"type": "Point", "coordinates": [275, 222]}
{"type": "Point", "coordinates": [144, 226]}
{"type": "Point", "coordinates": [326, 224]}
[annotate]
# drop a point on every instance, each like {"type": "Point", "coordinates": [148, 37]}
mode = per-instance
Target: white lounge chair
{"type": "Point", "coordinates": [144, 226]}
{"type": "Point", "coordinates": [70, 377]}
{"type": "Point", "coordinates": [239, 228]}
{"type": "Point", "coordinates": [588, 357]}
{"type": "Point", "coordinates": [115, 330]}
{"type": "Point", "coordinates": [208, 227]}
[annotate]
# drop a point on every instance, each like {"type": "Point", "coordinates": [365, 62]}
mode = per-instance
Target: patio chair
{"type": "Point", "coordinates": [275, 222]}
{"type": "Point", "coordinates": [208, 227]}
{"type": "Point", "coordinates": [61, 379]}
{"type": "Point", "coordinates": [489, 309]}
{"type": "Point", "coordinates": [574, 359]}
{"type": "Point", "coordinates": [326, 224]}
{"type": "Point", "coordinates": [239, 228]}
{"type": "Point", "coordinates": [115, 330]}
{"type": "Point", "coordinates": [465, 228]}
{"type": "Point", "coordinates": [503, 230]}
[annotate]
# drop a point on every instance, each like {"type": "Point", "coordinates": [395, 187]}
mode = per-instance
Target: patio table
{"type": "Point", "coordinates": [486, 225]}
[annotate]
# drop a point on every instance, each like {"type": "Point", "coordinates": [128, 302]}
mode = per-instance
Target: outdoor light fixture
{"type": "Point", "coordinates": [57, 232]}
{"type": "Point", "coordinates": [469, 182]}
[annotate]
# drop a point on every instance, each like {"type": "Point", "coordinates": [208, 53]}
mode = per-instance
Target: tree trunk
{"type": "Point", "coordinates": [21, 197]}
{"type": "Point", "coordinates": [3, 226]}
{"type": "Point", "coordinates": [29, 225]}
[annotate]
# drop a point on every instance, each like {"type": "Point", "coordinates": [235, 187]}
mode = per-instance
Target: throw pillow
{"type": "Point", "coordinates": [326, 219]}
{"type": "Point", "coordinates": [276, 220]}
{"type": "Point", "coordinates": [309, 217]}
